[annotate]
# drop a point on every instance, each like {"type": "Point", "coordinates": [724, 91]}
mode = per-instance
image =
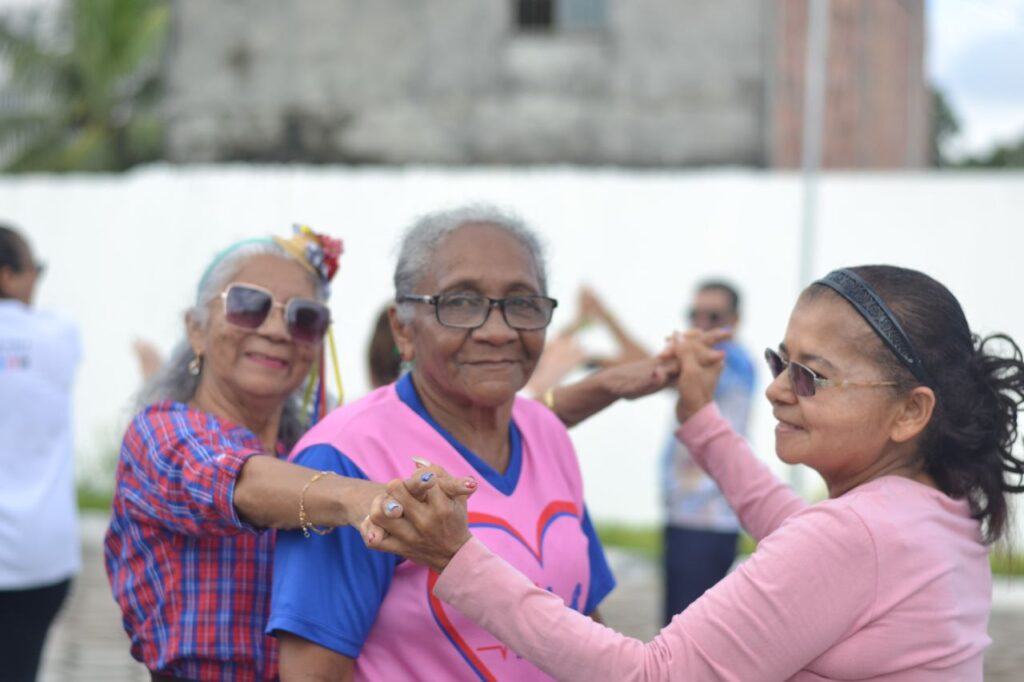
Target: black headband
{"type": "Point", "coordinates": [876, 313]}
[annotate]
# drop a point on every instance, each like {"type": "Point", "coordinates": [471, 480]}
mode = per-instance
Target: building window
{"type": "Point", "coordinates": [535, 15]}
{"type": "Point", "coordinates": [547, 15]}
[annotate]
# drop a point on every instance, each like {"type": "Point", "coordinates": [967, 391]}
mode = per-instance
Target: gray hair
{"type": "Point", "coordinates": [173, 381]}
{"type": "Point", "coordinates": [426, 234]}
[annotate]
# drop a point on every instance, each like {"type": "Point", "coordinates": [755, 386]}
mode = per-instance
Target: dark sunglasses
{"type": "Point", "coordinates": [714, 317]}
{"type": "Point", "coordinates": [805, 380]}
{"type": "Point", "coordinates": [248, 306]}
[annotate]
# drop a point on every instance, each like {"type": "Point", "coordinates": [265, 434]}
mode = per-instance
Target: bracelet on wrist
{"type": "Point", "coordinates": [304, 521]}
{"type": "Point", "coordinates": [549, 399]}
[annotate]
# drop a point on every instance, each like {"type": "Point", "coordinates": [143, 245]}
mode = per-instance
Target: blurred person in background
{"type": "Point", "coordinates": [383, 359]}
{"type": "Point", "coordinates": [200, 477]}
{"type": "Point", "coordinates": [471, 310]}
{"type": "Point", "coordinates": [39, 547]}
{"type": "Point", "coordinates": [911, 420]}
{"type": "Point", "coordinates": [701, 529]}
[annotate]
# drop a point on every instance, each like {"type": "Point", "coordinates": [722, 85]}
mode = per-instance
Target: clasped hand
{"type": "Point", "coordinates": [422, 518]}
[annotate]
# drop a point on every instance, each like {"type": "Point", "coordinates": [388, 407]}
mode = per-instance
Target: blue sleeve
{"type": "Point", "coordinates": [602, 582]}
{"type": "Point", "coordinates": [328, 588]}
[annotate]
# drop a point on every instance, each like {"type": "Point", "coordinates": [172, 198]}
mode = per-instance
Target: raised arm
{"type": "Point", "coordinates": [593, 308]}
{"type": "Point", "coordinates": [573, 403]}
{"type": "Point", "coordinates": [761, 501]}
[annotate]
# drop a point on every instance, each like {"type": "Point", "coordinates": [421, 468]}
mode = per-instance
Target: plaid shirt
{"type": "Point", "coordinates": [193, 581]}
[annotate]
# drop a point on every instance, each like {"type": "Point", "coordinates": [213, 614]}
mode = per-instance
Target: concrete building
{"type": "Point", "coordinates": [625, 82]}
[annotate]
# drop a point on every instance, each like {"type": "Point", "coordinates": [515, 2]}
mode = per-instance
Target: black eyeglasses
{"type": "Point", "coordinates": [805, 380]}
{"type": "Point", "coordinates": [248, 306]}
{"type": "Point", "coordinates": [469, 311]}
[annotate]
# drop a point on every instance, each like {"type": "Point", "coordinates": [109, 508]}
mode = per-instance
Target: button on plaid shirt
{"type": "Point", "coordinates": [193, 581]}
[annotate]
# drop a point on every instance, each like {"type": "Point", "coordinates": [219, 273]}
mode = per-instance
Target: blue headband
{"type": "Point", "coordinates": [219, 258]}
{"type": "Point", "coordinates": [876, 313]}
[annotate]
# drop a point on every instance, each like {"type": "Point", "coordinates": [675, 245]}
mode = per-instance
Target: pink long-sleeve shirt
{"type": "Point", "coordinates": [890, 581]}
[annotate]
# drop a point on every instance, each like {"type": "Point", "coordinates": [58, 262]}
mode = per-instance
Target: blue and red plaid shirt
{"type": "Point", "coordinates": [193, 580]}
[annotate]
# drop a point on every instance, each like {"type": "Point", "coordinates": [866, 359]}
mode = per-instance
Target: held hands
{"type": "Point", "coordinates": [423, 518]}
{"type": "Point", "coordinates": [700, 365]}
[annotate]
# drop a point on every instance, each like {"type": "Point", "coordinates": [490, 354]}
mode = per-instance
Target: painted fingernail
{"type": "Point", "coordinates": [470, 483]}
{"type": "Point", "coordinates": [392, 507]}
{"type": "Point", "coordinates": [372, 537]}
{"type": "Point", "coordinates": [420, 462]}
{"type": "Point", "coordinates": [427, 476]}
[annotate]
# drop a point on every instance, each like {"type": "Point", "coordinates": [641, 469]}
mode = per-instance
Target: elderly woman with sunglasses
{"type": "Point", "coordinates": [879, 386]}
{"type": "Point", "coordinates": [470, 319]}
{"type": "Point", "coordinates": [200, 475]}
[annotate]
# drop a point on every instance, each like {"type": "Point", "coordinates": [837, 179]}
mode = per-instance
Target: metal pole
{"type": "Point", "coordinates": [815, 63]}
{"type": "Point", "coordinates": [815, 67]}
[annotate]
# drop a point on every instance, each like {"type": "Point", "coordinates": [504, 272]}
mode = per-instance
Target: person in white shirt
{"type": "Point", "coordinates": [39, 548]}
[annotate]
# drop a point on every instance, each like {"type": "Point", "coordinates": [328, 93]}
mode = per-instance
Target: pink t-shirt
{"type": "Point", "coordinates": [532, 515]}
{"type": "Point", "coordinates": [890, 581]}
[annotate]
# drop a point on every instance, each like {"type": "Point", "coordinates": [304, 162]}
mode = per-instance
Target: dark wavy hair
{"type": "Point", "coordinates": [979, 389]}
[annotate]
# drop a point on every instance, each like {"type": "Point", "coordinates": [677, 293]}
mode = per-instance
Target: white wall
{"type": "Point", "coordinates": [124, 254]}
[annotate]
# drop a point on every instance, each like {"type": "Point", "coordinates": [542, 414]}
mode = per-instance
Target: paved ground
{"type": "Point", "coordinates": [88, 644]}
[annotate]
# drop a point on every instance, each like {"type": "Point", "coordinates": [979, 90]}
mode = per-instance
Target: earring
{"type": "Point", "coordinates": [195, 366]}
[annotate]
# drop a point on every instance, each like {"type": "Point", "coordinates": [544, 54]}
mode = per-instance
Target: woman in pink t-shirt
{"type": "Point", "coordinates": [910, 419]}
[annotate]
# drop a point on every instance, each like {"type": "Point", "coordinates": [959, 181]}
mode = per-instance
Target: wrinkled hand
{"type": "Point", "coordinates": [422, 518]}
{"type": "Point", "coordinates": [641, 377]}
{"type": "Point", "coordinates": [700, 365]}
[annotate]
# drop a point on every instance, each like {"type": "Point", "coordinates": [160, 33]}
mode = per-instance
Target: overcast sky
{"type": "Point", "coordinates": [975, 55]}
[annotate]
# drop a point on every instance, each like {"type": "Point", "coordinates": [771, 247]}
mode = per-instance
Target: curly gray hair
{"type": "Point", "coordinates": [423, 237]}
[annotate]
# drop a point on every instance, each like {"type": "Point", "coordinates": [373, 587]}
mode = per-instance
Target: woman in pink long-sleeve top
{"type": "Point", "coordinates": [909, 418]}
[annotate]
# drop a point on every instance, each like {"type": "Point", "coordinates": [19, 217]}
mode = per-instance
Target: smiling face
{"type": "Point", "coordinates": [486, 366]}
{"type": "Point", "coordinates": [843, 432]}
{"type": "Point", "coordinates": [264, 365]}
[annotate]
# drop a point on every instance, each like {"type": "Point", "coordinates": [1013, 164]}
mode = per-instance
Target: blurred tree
{"type": "Point", "coordinates": [944, 126]}
{"type": "Point", "coordinates": [1009, 155]}
{"type": "Point", "coordinates": [84, 97]}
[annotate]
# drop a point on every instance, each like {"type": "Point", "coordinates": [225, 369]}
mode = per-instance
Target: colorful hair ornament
{"type": "Point", "coordinates": [319, 253]}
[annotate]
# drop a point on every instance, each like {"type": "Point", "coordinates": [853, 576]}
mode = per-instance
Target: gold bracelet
{"type": "Point", "coordinates": [549, 399]}
{"type": "Point", "coordinates": [304, 523]}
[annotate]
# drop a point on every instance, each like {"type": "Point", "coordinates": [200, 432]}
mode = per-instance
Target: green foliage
{"type": "Point", "coordinates": [1007, 563]}
{"type": "Point", "coordinates": [1009, 155]}
{"type": "Point", "coordinates": [96, 500]}
{"type": "Point", "coordinates": [944, 126]}
{"type": "Point", "coordinates": [644, 540]}
{"type": "Point", "coordinates": [647, 540]}
{"type": "Point", "coordinates": [85, 98]}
